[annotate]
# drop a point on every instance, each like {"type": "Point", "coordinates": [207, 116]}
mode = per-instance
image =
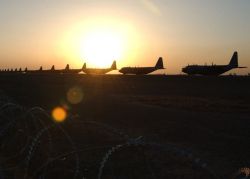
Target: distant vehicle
{"type": "Point", "coordinates": [212, 70]}
{"type": "Point", "coordinates": [142, 70]}
{"type": "Point", "coordinates": [98, 71]}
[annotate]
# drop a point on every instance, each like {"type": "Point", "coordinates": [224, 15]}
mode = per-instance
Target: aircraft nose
{"type": "Point", "coordinates": [120, 70]}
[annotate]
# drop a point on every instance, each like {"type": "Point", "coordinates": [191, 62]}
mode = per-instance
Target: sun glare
{"type": "Point", "coordinates": [102, 46]}
{"type": "Point", "coordinates": [98, 41]}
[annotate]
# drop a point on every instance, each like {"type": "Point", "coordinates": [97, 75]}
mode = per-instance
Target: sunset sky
{"type": "Point", "coordinates": [133, 32]}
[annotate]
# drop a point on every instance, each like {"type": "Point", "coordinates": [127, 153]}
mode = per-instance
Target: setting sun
{"type": "Point", "coordinates": [102, 46]}
{"type": "Point", "coordinates": [99, 41]}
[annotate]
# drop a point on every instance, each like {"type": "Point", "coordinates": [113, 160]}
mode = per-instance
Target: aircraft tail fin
{"type": "Point", "coordinates": [67, 67]}
{"type": "Point", "coordinates": [84, 66]}
{"type": "Point", "coordinates": [159, 64]}
{"type": "Point", "coordinates": [41, 68]}
{"type": "Point", "coordinates": [234, 60]}
{"type": "Point", "coordinates": [53, 67]}
{"type": "Point", "coordinates": [113, 66]}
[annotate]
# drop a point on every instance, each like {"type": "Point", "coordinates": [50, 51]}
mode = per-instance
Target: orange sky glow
{"type": "Point", "coordinates": [134, 33]}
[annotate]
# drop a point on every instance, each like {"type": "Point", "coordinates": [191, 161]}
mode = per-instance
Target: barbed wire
{"type": "Point", "coordinates": [37, 131]}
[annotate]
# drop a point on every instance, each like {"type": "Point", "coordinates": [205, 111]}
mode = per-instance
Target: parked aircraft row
{"type": "Point", "coordinates": [67, 70]}
{"type": "Point", "coordinates": [212, 70]}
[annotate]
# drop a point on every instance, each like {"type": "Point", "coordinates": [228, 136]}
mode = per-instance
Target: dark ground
{"type": "Point", "coordinates": [207, 116]}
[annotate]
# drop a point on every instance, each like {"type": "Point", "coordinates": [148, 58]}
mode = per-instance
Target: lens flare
{"type": "Point", "coordinates": [59, 114]}
{"type": "Point", "coordinates": [75, 95]}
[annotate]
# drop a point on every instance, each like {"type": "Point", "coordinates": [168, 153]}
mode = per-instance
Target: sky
{"type": "Point", "coordinates": [132, 32]}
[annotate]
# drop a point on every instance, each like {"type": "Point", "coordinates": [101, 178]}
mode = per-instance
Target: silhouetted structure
{"type": "Point", "coordinates": [212, 70]}
{"type": "Point", "coordinates": [98, 71]}
{"type": "Point", "coordinates": [142, 70]}
{"type": "Point", "coordinates": [67, 70]}
{"type": "Point", "coordinates": [40, 70]}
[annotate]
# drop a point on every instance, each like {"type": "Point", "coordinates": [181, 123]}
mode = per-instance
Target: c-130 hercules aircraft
{"type": "Point", "coordinates": [212, 70]}
{"type": "Point", "coordinates": [98, 71]}
{"type": "Point", "coordinates": [67, 70]}
{"type": "Point", "coordinates": [142, 70]}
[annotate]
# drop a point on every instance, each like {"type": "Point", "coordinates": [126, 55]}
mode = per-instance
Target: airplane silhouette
{"type": "Point", "coordinates": [67, 70]}
{"type": "Point", "coordinates": [40, 70]}
{"type": "Point", "coordinates": [142, 70]}
{"type": "Point", "coordinates": [10, 71]}
{"type": "Point", "coordinates": [212, 70]}
{"type": "Point", "coordinates": [98, 71]}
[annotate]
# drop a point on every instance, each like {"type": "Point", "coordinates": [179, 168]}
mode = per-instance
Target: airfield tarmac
{"type": "Point", "coordinates": [208, 116]}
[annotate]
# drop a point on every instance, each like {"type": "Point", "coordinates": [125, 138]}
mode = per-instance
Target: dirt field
{"type": "Point", "coordinates": [126, 127]}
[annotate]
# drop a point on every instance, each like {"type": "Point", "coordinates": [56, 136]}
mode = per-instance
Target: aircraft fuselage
{"type": "Point", "coordinates": [96, 71]}
{"type": "Point", "coordinates": [137, 70]}
{"type": "Point", "coordinates": [213, 70]}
